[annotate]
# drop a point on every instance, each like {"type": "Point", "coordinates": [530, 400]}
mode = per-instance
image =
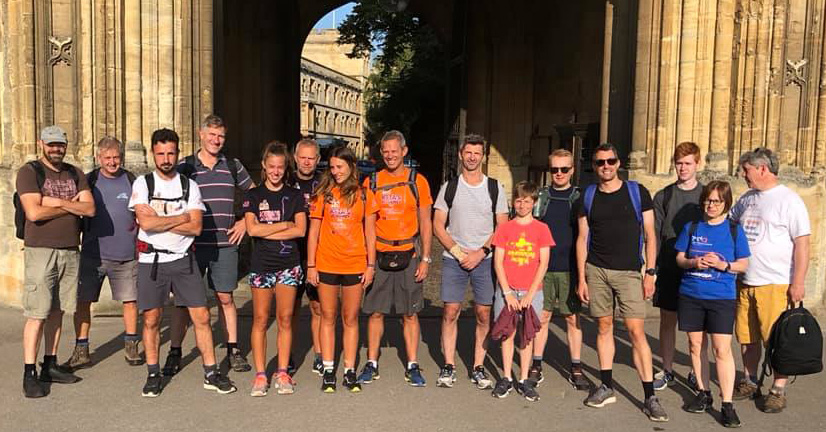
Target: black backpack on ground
{"type": "Point", "coordinates": [795, 345]}
{"type": "Point", "coordinates": [40, 178]}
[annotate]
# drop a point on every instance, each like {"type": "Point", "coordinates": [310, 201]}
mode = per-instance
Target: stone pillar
{"type": "Point", "coordinates": [717, 156]}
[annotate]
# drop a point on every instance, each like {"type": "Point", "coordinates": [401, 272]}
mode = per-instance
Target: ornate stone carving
{"type": "Point", "coordinates": [61, 51]}
{"type": "Point", "coordinates": [795, 72]}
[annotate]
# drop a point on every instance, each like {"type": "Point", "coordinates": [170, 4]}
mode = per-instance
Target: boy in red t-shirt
{"type": "Point", "coordinates": [523, 248]}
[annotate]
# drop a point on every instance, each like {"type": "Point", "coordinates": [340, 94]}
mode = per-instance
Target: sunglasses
{"type": "Point", "coordinates": [563, 170]}
{"type": "Point", "coordinates": [609, 161]}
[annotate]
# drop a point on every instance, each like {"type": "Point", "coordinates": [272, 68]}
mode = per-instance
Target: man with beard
{"type": "Point", "coordinates": [169, 210]}
{"type": "Point", "coordinates": [53, 195]}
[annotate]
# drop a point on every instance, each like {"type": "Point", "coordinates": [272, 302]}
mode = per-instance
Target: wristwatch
{"type": "Point", "coordinates": [651, 271]}
{"type": "Point", "coordinates": [427, 259]}
{"type": "Point", "coordinates": [728, 267]}
{"type": "Point", "coordinates": [486, 250]}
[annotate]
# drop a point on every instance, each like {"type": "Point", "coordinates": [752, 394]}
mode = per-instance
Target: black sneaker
{"type": "Point", "coordinates": [701, 403]}
{"type": "Point", "coordinates": [32, 387]}
{"type": "Point", "coordinates": [502, 389]}
{"type": "Point", "coordinates": [237, 362]}
{"type": "Point", "coordinates": [172, 365]}
{"type": "Point", "coordinates": [527, 389]}
{"type": "Point", "coordinates": [152, 388]}
{"type": "Point", "coordinates": [51, 372]}
{"type": "Point", "coordinates": [535, 374]}
{"type": "Point", "coordinates": [318, 366]}
{"type": "Point", "coordinates": [351, 381]}
{"type": "Point", "coordinates": [577, 379]}
{"type": "Point", "coordinates": [729, 417]}
{"type": "Point", "coordinates": [220, 383]}
{"type": "Point", "coordinates": [328, 381]}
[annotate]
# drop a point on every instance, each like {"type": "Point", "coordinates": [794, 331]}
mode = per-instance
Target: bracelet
{"type": "Point", "coordinates": [310, 266]}
{"type": "Point", "coordinates": [504, 293]}
{"type": "Point", "coordinates": [371, 265]}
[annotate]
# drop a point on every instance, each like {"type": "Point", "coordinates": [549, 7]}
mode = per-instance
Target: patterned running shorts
{"type": "Point", "coordinates": [291, 276]}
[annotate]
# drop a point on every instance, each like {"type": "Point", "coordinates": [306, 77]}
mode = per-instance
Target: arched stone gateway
{"type": "Point", "coordinates": [530, 76]}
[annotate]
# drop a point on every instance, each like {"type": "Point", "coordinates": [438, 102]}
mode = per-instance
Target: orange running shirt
{"type": "Point", "coordinates": [397, 218]}
{"type": "Point", "coordinates": [341, 246]}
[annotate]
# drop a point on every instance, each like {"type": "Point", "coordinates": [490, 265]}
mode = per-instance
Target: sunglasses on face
{"type": "Point", "coordinates": [563, 170]}
{"type": "Point", "coordinates": [609, 161]}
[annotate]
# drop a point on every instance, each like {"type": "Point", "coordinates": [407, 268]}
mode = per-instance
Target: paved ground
{"type": "Point", "coordinates": [109, 398]}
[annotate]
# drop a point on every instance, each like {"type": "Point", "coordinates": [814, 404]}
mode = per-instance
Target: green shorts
{"type": "Point", "coordinates": [560, 294]}
{"type": "Point", "coordinates": [50, 281]}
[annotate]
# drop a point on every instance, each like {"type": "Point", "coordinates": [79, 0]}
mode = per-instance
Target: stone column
{"type": "Point", "coordinates": [717, 157]}
{"type": "Point", "coordinates": [132, 70]}
{"type": "Point", "coordinates": [645, 86]}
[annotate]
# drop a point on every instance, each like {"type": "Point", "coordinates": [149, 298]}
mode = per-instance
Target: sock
{"type": "Point", "coordinates": [49, 359]}
{"type": "Point", "coordinates": [374, 363]}
{"type": "Point", "coordinates": [82, 342]}
{"type": "Point", "coordinates": [521, 381]}
{"type": "Point", "coordinates": [232, 347]}
{"type": "Point", "coordinates": [347, 369]}
{"type": "Point", "coordinates": [778, 390]}
{"type": "Point", "coordinates": [728, 405]}
{"type": "Point", "coordinates": [258, 374]}
{"type": "Point", "coordinates": [537, 362]}
{"type": "Point", "coordinates": [318, 356]}
{"type": "Point", "coordinates": [209, 370]}
{"type": "Point", "coordinates": [175, 351]}
{"type": "Point", "coordinates": [153, 368]}
{"type": "Point", "coordinates": [131, 337]}
{"type": "Point", "coordinates": [410, 364]}
{"type": "Point", "coordinates": [606, 376]}
{"type": "Point", "coordinates": [278, 371]}
{"type": "Point", "coordinates": [328, 366]}
{"type": "Point", "coordinates": [29, 369]}
{"type": "Point", "coordinates": [648, 388]}
{"type": "Point", "coordinates": [576, 362]}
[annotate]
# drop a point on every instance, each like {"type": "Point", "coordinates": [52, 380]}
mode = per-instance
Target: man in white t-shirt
{"type": "Point", "coordinates": [777, 225]}
{"type": "Point", "coordinates": [169, 209]}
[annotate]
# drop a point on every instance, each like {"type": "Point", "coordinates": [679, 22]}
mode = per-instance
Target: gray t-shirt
{"type": "Point", "coordinates": [670, 218]}
{"type": "Point", "coordinates": [110, 235]}
{"type": "Point", "coordinates": [470, 221]}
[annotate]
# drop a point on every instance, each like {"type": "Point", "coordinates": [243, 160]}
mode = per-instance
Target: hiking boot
{"type": "Point", "coordinates": [600, 396]}
{"type": "Point", "coordinates": [260, 386]}
{"type": "Point", "coordinates": [318, 366]}
{"type": "Point", "coordinates": [744, 389]}
{"type": "Point", "coordinates": [447, 376]}
{"type": "Point", "coordinates": [528, 389]}
{"type": "Point", "coordinates": [220, 383]}
{"type": "Point", "coordinates": [502, 389]}
{"type": "Point", "coordinates": [32, 387]}
{"type": "Point", "coordinates": [664, 379]}
{"type": "Point", "coordinates": [701, 403]}
{"type": "Point", "coordinates": [172, 365]}
{"type": "Point", "coordinates": [237, 362]}
{"type": "Point", "coordinates": [351, 382]}
{"type": "Point", "coordinates": [577, 378]}
{"type": "Point", "coordinates": [328, 381]}
{"type": "Point", "coordinates": [480, 378]}
{"type": "Point", "coordinates": [131, 352]}
{"type": "Point", "coordinates": [773, 403]}
{"type": "Point", "coordinates": [51, 372]}
{"type": "Point", "coordinates": [152, 388]}
{"type": "Point", "coordinates": [369, 373]}
{"type": "Point", "coordinates": [654, 410]}
{"type": "Point", "coordinates": [729, 417]}
{"type": "Point", "coordinates": [284, 383]}
{"type": "Point", "coordinates": [535, 374]}
{"type": "Point", "coordinates": [414, 377]}
{"type": "Point", "coordinates": [80, 358]}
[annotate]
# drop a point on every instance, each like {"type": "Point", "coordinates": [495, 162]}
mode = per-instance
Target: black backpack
{"type": "Point", "coordinates": [450, 194]}
{"type": "Point", "coordinates": [188, 168]}
{"type": "Point", "coordinates": [40, 178]}
{"type": "Point", "coordinates": [150, 186]}
{"type": "Point", "coordinates": [795, 345]}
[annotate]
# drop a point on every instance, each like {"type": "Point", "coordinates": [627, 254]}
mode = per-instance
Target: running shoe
{"type": "Point", "coordinates": [577, 378]}
{"type": "Point", "coordinates": [414, 377]}
{"type": "Point", "coordinates": [729, 417]}
{"type": "Point", "coordinates": [219, 383]}
{"type": "Point", "coordinates": [654, 410]}
{"type": "Point", "coordinates": [260, 386]}
{"type": "Point", "coordinates": [152, 388]}
{"type": "Point", "coordinates": [535, 374]}
{"type": "Point", "coordinates": [172, 365]}
{"type": "Point", "coordinates": [480, 378]}
{"type": "Point", "coordinates": [691, 379]}
{"type": "Point", "coordinates": [600, 396]}
{"type": "Point", "coordinates": [52, 372]}
{"type": "Point", "coordinates": [527, 389]}
{"type": "Point", "coordinates": [502, 389]}
{"type": "Point", "coordinates": [663, 379]}
{"type": "Point", "coordinates": [369, 373]}
{"type": "Point", "coordinates": [237, 362]}
{"type": "Point", "coordinates": [351, 381]}
{"type": "Point", "coordinates": [328, 381]}
{"type": "Point", "coordinates": [701, 403]}
{"type": "Point", "coordinates": [447, 376]}
{"type": "Point", "coordinates": [284, 383]}
{"type": "Point", "coordinates": [318, 366]}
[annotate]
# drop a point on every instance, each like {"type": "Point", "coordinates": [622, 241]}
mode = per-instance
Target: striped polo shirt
{"type": "Point", "coordinates": [218, 194]}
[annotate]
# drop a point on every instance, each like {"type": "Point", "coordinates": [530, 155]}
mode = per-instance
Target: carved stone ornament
{"type": "Point", "coordinates": [795, 72]}
{"type": "Point", "coordinates": [61, 51]}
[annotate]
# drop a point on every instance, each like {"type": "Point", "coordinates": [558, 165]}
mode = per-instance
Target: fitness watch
{"type": "Point", "coordinates": [651, 271]}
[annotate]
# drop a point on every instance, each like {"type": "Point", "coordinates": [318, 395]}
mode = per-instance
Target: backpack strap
{"type": "Point", "coordinates": [668, 194]}
{"type": "Point", "coordinates": [184, 188]}
{"type": "Point", "coordinates": [374, 181]}
{"type": "Point", "coordinates": [130, 176]}
{"type": "Point", "coordinates": [636, 202]}
{"type": "Point", "coordinates": [588, 201]}
{"type": "Point", "coordinates": [232, 164]}
{"type": "Point", "coordinates": [692, 229]}
{"type": "Point", "coordinates": [150, 185]}
{"type": "Point", "coordinates": [92, 178]}
{"type": "Point", "coordinates": [732, 227]}
{"type": "Point", "coordinates": [39, 173]}
{"type": "Point", "coordinates": [414, 188]}
{"type": "Point", "coordinates": [493, 191]}
{"type": "Point", "coordinates": [187, 169]}
{"type": "Point", "coordinates": [450, 194]}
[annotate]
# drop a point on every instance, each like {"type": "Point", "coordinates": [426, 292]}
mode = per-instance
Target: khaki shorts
{"type": "Point", "coordinates": [757, 309]}
{"type": "Point", "coordinates": [560, 295]}
{"type": "Point", "coordinates": [49, 281]}
{"type": "Point", "coordinates": [607, 287]}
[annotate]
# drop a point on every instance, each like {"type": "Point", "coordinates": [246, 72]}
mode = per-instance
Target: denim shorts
{"type": "Point", "coordinates": [499, 303]}
{"type": "Point", "coordinates": [455, 280]}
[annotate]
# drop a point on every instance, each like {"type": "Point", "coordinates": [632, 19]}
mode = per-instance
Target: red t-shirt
{"type": "Point", "coordinates": [522, 244]}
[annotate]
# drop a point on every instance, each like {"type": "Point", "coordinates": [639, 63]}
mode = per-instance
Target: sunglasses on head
{"type": "Point", "coordinates": [609, 161]}
{"type": "Point", "coordinates": [563, 170]}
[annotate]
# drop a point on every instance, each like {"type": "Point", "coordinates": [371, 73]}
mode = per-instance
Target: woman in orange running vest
{"type": "Point", "coordinates": [341, 250]}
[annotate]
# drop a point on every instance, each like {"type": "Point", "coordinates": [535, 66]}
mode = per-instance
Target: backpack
{"type": "Point", "coordinates": [795, 345]}
{"type": "Point", "coordinates": [540, 208]}
{"type": "Point", "coordinates": [40, 178]}
{"type": "Point", "coordinates": [150, 186]}
{"type": "Point", "coordinates": [411, 182]}
{"type": "Point", "coordinates": [187, 169]}
{"type": "Point", "coordinates": [636, 202]}
{"type": "Point", "coordinates": [450, 194]}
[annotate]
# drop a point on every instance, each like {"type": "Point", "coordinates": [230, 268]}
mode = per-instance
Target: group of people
{"type": "Point", "coordinates": [363, 246]}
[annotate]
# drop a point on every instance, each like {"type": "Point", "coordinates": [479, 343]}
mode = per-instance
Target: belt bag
{"type": "Point", "coordinates": [394, 261]}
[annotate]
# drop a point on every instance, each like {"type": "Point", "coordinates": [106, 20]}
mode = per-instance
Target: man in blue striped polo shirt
{"type": "Point", "coordinates": [216, 249]}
